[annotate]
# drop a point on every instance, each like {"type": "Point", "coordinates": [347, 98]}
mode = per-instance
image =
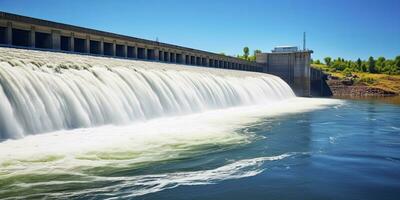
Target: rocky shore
{"type": "Point", "coordinates": [349, 87]}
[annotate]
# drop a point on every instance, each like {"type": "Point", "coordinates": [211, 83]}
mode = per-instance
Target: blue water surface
{"type": "Point", "coordinates": [351, 151]}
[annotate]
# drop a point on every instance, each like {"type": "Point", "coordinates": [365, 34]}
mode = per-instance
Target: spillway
{"type": "Point", "coordinates": [48, 91]}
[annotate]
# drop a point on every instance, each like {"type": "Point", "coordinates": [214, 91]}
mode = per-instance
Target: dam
{"type": "Point", "coordinates": [47, 91]}
{"type": "Point", "coordinates": [21, 31]}
{"type": "Point", "coordinates": [98, 120]}
{"type": "Point", "coordinates": [89, 114]}
{"type": "Point", "coordinates": [31, 33]}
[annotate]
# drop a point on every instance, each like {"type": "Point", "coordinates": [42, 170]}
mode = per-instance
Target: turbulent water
{"type": "Point", "coordinates": [83, 127]}
{"type": "Point", "coordinates": [83, 120]}
{"type": "Point", "coordinates": [42, 91]}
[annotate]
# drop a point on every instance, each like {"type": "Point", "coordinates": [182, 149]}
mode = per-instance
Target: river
{"type": "Point", "coordinates": [74, 128]}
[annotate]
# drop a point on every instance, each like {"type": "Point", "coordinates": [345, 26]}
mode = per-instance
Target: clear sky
{"type": "Point", "coordinates": [337, 28]}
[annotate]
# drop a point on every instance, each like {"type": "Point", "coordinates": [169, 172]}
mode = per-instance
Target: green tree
{"type": "Point", "coordinates": [363, 67]}
{"type": "Point", "coordinates": [328, 61]}
{"type": "Point", "coordinates": [317, 62]}
{"type": "Point", "coordinates": [397, 62]}
{"type": "Point", "coordinates": [257, 51]}
{"type": "Point", "coordinates": [253, 57]}
{"type": "Point", "coordinates": [380, 60]}
{"type": "Point", "coordinates": [380, 64]}
{"type": "Point", "coordinates": [246, 52]}
{"type": "Point", "coordinates": [371, 65]}
{"type": "Point", "coordinates": [338, 65]}
{"type": "Point", "coordinates": [359, 62]}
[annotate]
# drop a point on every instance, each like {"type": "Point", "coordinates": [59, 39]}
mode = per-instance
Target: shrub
{"type": "Point", "coordinates": [367, 80]}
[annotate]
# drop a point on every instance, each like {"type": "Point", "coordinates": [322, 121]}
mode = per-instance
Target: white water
{"type": "Point", "coordinates": [45, 91]}
{"type": "Point", "coordinates": [101, 119]}
{"type": "Point", "coordinates": [79, 153]}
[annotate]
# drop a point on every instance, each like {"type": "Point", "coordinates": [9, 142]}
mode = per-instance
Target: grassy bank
{"type": "Point", "coordinates": [382, 81]}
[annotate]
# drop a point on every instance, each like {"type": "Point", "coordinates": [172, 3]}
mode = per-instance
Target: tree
{"type": "Point", "coordinates": [246, 52]}
{"type": "Point", "coordinates": [256, 52]}
{"type": "Point", "coordinates": [380, 64]}
{"type": "Point", "coordinates": [317, 62]}
{"type": "Point", "coordinates": [339, 66]}
{"type": "Point", "coordinates": [363, 67]}
{"type": "Point", "coordinates": [359, 62]}
{"type": "Point", "coordinates": [371, 65]}
{"type": "Point", "coordinates": [328, 60]}
{"type": "Point", "coordinates": [253, 58]}
{"type": "Point", "coordinates": [380, 60]}
{"type": "Point", "coordinates": [397, 62]}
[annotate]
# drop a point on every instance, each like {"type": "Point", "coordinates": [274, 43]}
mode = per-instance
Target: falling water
{"type": "Point", "coordinates": [47, 91]}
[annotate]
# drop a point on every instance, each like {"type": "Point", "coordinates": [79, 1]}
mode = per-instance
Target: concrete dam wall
{"type": "Point", "coordinates": [293, 67]}
{"type": "Point", "coordinates": [26, 32]}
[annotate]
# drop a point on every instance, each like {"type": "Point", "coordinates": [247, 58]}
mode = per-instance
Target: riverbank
{"type": "Point", "coordinates": [361, 83]}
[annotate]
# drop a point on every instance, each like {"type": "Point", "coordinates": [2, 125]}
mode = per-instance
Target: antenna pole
{"type": "Point", "coordinates": [304, 41]}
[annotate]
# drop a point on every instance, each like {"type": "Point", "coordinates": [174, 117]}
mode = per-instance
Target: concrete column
{"type": "Point", "coordinates": [207, 62]}
{"type": "Point", "coordinates": [156, 54]}
{"type": "Point", "coordinates": [56, 39]}
{"type": "Point", "coordinates": [72, 42]}
{"type": "Point", "coordinates": [87, 44]}
{"type": "Point", "coordinates": [9, 33]}
{"type": "Point", "coordinates": [183, 58]}
{"type": "Point", "coordinates": [114, 48]}
{"type": "Point", "coordinates": [102, 46]}
{"type": "Point", "coordinates": [32, 37]}
{"type": "Point", "coordinates": [125, 50]}
{"type": "Point", "coordinates": [135, 52]}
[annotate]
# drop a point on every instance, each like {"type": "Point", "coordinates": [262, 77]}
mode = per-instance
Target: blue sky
{"type": "Point", "coordinates": [337, 28]}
